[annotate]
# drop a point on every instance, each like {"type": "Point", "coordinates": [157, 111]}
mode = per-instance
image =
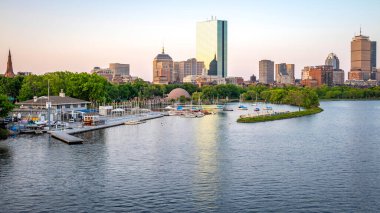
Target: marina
{"type": "Point", "coordinates": [64, 135]}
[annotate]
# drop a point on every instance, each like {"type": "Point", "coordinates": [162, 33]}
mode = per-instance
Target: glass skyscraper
{"type": "Point", "coordinates": [212, 45]}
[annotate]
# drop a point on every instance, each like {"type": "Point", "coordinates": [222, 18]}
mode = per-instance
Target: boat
{"type": "Point", "coordinates": [241, 106]}
{"type": "Point", "coordinates": [199, 114]}
{"type": "Point", "coordinates": [226, 108]}
{"type": "Point", "coordinates": [133, 122]}
{"type": "Point", "coordinates": [189, 115]}
{"type": "Point", "coordinates": [256, 109]}
{"type": "Point", "coordinates": [255, 104]}
{"type": "Point", "coordinates": [268, 108]}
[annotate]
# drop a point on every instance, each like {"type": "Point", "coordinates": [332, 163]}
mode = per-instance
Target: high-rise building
{"type": "Point", "coordinates": [317, 76]}
{"type": "Point", "coordinates": [338, 74]}
{"type": "Point", "coordinates": [163, 69]}
{"type": "Point", "coordinates": [360, 58]}
{"type": "Point", "coordinates": [266, 71]}
{"type": "Point", "coordinates": [373, 55]}
{"type": "Point", "coordinates": [188, 67]}
{"type": "Point", "coordinates": [285, 73]}
{"type": "Point", "coordinates": [253, 78]}
{"type": "Point", "coordinates": [332, 60]}
{"type": "Point", "coordinates": [9, 73]}
{"type": "Point", "coordinates": [212, 45]}
{"type": "Point", "coordinates": [119, 69]}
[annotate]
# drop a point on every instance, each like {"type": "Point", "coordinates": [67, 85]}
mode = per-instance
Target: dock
{"type": "Point", "coordinates": [66, 135]}
{"type": "Point", "coordinates": [69, 139]}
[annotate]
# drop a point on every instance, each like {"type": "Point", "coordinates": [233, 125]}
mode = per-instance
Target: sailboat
{"type": "Point", "coordinates": [225, 107]}
{"type": "Point", "coordinates": [255, 104]}
{"type": "Point", "coordinates": [241, 106]}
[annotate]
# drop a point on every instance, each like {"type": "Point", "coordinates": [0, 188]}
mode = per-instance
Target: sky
{"type": "Point", "coordinates": [53, 35]}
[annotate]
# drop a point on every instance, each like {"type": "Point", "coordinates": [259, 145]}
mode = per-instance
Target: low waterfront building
{"type": "Point", "coordinates": [60, 105]}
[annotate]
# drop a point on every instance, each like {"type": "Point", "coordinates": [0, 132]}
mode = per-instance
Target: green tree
{"type": "Point", "coordinates": [5, 105]}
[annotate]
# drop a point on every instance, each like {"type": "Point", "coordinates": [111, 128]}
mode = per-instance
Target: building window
{"type": "Point", "coordinates": [75, 105]}
{"type": "Point", "coordinates": [67, 106]}
{"type": "Point", "coordinates": [59, 106]}
{"type": "Point", "coordinates": [83, 105]}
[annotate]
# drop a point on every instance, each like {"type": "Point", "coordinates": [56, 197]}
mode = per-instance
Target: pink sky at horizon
{"type": "Point", "coordinates": [50, 36]}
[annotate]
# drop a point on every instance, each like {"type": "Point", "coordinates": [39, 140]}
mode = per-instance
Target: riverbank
{"type": "Point", "coordinates": [273, 117]}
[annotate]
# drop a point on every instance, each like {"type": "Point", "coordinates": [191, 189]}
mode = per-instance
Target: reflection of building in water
{"type": "Point", "coordinates": [206, 178]}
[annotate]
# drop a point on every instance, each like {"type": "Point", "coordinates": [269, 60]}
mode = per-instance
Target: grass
{"type": "Point", "coordinates": [288, 115]}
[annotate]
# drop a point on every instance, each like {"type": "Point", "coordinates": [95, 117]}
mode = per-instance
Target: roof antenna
{"type": "Point", "coordinates": [360, 30]}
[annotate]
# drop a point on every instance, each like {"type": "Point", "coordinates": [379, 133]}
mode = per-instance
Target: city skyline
{"type": "Point", "coordinates": [46, 36]}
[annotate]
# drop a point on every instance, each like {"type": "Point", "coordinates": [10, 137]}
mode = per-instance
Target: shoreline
{"type": "Point", "coordinates": [282, 116]}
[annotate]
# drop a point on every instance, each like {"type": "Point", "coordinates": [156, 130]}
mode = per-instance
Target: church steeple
{"type": "Point", "coordinates": [9, 73]}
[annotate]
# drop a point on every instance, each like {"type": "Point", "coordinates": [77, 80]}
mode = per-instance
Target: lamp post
{"type": "Point", "coordinates": [48, 105]}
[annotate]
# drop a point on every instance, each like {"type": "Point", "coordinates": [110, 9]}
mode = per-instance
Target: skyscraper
{"type": "Point", "coordinates": [212, 43]}
{"type": "Point", "coordinates": [338, 74]}
{"type": "Point", "coordinates": [360, 58]}
{"type": "Point", "coordinates": [163, 68]}
{"type": "Point", "coordinates": [9, 73]}
{"type": "Point", "coordinates": [188, 67]}
{"type": "Point", "coordinates": [266, 71]}
{"type": "Point", "coordinates": [285, 73]}
{"type": "Point", "coordinates": [332, 60]}
{"type": "Point", "coordinates": [373, 55]}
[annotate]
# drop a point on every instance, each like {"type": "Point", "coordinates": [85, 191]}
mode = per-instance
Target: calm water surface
{"type": "Point", "coordinates": [329, 162]}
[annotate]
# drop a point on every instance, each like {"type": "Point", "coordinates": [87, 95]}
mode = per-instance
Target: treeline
{"type": "Point", "coordinates": [95, 88]}
{"type": "Point", "coordinates": [297, 96]}
{"type": "Point", "coordinates": [84, 86]}
{"type": "Point", "coordinates": [345, 92]}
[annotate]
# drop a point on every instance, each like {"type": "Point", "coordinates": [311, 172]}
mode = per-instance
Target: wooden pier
{"type": "Point", "coordinates": [69, 139]}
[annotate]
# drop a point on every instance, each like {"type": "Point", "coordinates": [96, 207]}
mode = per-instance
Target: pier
{"type": "Point", "coordinates": [69, 139]}
{"type": "Point", "coordinates": [66, 135]}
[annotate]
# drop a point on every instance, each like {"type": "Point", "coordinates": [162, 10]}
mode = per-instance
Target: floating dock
{"type": "Point", "coordinates": [69, 139]}
{"type": "Point", "coordinates": [66, 136]}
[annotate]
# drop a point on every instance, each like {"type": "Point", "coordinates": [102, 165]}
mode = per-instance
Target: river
{"type": "Point", "coordinates": [328, 162]}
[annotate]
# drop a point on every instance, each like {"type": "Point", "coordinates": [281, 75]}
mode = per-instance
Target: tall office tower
{"type": "Point", "coordinates": [119, 69]}
{"type": "Point", "coordinates": [212, 45]}
{"type": "Point", "coordinates": [266, 71]}
{"type": "Point", "coordinates": [373, 55]}
{"type": "Point", "coordinates": [163, 69]}
{"type": "Point", "coordinates": [338, 74]}
{"type": "Point", "coordinates": [285, 73]}
{"type": "Point", "coordinates": [360, 58]}
{"type": "Point", "coordinates": [9, 73]}
{"type": "Point", "coordinates": [374, 72]}
{"type": "Point", "coordinates": [332, 60]}
{"type": "Point", "coordinates": [188, 67]}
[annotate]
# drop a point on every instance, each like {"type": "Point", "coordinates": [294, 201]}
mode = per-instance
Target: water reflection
{"type": "Point", "coordinates": [205, 179]}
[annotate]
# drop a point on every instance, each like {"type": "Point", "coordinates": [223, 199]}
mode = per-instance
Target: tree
{"type": "Point", "coordinates": [5, 105]}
